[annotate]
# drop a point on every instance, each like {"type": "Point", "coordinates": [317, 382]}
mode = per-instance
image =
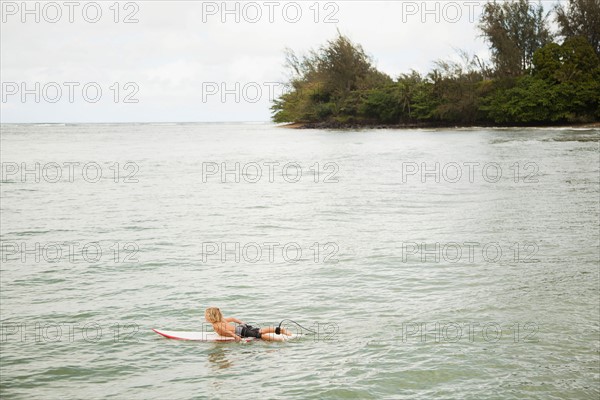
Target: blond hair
{"type": "Point", "coordinates": [213, 315]}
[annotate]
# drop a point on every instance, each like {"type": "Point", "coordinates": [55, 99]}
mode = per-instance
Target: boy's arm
{"type": "Point", "coordinates": [226, 333]}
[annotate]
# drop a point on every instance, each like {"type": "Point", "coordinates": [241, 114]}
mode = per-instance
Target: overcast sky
{"type": "Point", "coordinates": [171, 61]}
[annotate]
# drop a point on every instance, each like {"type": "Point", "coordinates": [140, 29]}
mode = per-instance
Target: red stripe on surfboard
{"type": "Point", "coordinates": [168, 336]}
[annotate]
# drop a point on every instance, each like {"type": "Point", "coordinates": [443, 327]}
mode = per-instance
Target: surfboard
{"type": "Point", "coordinates": [210, 336]}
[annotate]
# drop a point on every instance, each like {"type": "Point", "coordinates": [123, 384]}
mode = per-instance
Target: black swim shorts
{"type": "Point", "coordinates": [248, 331]}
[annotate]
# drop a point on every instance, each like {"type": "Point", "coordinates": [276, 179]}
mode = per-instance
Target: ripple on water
{"type": "Point", "coordinates": [374, 307]}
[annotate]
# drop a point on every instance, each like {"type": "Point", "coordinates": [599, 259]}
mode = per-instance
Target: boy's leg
{"type": "Point", "coordinates": [271, 329]}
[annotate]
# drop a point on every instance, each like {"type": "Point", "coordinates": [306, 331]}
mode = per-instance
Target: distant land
{"type": "Point", "coordinates": [535, 78]}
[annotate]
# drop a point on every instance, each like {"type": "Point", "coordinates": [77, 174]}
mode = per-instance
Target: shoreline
{"type": "Point", "coordinates": [354, 126]}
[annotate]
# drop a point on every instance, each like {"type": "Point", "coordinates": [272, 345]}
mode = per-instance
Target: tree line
{"type": "Point", "coordinates": [534, 76]}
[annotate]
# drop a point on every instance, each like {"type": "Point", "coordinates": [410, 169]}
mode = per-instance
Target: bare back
{"type": "Point", "coordinates": [222, 327]}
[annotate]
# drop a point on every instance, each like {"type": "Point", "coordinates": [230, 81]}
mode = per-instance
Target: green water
{"type": "Point", "coordinates": [420, 282]}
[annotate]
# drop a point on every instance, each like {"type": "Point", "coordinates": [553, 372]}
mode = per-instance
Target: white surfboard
{"type": "Point", "coordinates": [211, 336]}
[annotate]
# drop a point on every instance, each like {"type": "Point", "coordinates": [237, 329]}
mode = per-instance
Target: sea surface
{"type": "Point", "coordinates": [458, 263]}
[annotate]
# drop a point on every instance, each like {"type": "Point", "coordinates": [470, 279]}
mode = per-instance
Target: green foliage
{"type": "Point", "coordinates": [547, 61]}
{"type": "Point", "coordinates": [573, 70]}
{"type": "Point", "coordinates": [572, 61]}
{"type": "Point", "coordinates": [323, 82]}
{"type": "Point", "coordinates": [533, 80]}
{"type": "Point", "coordinates": [383, 105]}
{"type": "Point", "coordinates": [580, 18]}
{"type": "Point", "coordinates": [530, 101]}
{"type": "Point", "coordinates": [406, 100]}
{"type": "Point", "coordinates": [456, 90]}
{"type": "Point", "coordinates": [565, 87]}
{"type": "Point", "coordinates": [514, 30]}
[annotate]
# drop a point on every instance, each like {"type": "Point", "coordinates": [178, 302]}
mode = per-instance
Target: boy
{"type": "Point", "coordinates": [223, 327]}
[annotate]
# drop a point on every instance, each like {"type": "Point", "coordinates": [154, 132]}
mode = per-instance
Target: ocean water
{"type": "Point", "coordinates": [456, 263]}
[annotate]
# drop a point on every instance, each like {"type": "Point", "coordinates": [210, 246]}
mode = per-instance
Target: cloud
{"type": "Point", "coordinates": [176, 47]}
